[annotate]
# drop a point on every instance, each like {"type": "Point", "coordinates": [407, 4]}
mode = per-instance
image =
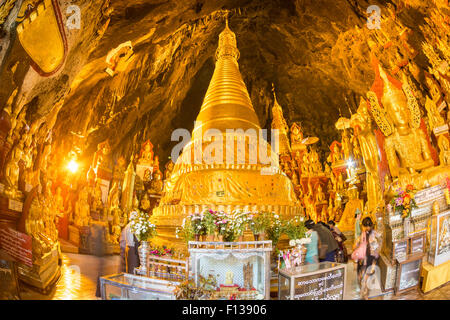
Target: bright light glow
{"type": "Point", "coordinates": [72, 166]}
{"type": "Point", "coordinates": [350, 163]}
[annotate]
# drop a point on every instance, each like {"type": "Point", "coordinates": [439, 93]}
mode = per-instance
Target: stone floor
{"type": "Point", "coordinates": [79, 274]}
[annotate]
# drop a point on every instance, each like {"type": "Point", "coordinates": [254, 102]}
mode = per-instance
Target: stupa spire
{"type": "Point", "coordinates": [279, 123]}
{"type": "Point", "coordinates": [227, 104]}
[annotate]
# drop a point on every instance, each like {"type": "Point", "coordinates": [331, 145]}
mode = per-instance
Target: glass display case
{"type": "Point", "coordinates": [439, 250]}
{"type": "Point", "coordinates": [240, 269]}
{"type": "Point", "coordinates": [318, 281]}
{"type": "Point", "coordinates": [125, 286]}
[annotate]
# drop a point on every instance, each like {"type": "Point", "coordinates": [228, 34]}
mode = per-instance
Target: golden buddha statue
{"type": "Point", "coordinates": [99, 160]}
{"type": "Point", "coordinates": [330, 209]}
{"type": "Point", "coordinates": [82, 211]}
{"type": "Point", "coordinates": [340, 185]}
{"type": "Point", "coordinates": [361, 123]}
{"type": "Point", "coordinates": [320, 196]}
{"type": "Point", "coordinates": [294, 178]}
{"type": "Point", "coordinates": [97, 202]}
{"type": "Point", "coordinates": [34, 227]}
{"type": "Point", "coordinates": [444, 150]}
{"type": "Point", "coordinates": [116, 229]}
{"type": "Point", "coordinates": [305, 165]}
{"type": "Point", "coordinates": [146, 155]}
{"type": "Point", "coordinates": [12, 169]}
{"type": "Point", "coordinates": [297, 138]}
{"type": "Point", "coordinates": [156, 185]}
{"type": "Point", "coordinates": [346, 145]}
{"type": "Point", "coordinates": [406, 145]}
{"type": "Point", "coordinates": [119, 170]}
{"type": "Point", "coordinates": [323, 214]}
{"type": "Point", "coordinates": [435, 120]}
{"type": "Point", "coordinates": [224, 183]}
{"type": "Point", "coordinates": [347, 221]}
{"type": "Point", "coordinates": [114, 202]}
{"type": "Point", "coordinates": [336, 156]}
{"type": "Point", "coordinates": [59, 202]}
{"type": "Point", "coordinates": [169, 168]}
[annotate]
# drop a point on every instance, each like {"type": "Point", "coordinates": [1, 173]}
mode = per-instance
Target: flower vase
{"type": "Point", "coordinates": [262, 236]}
{"type": "Point", "coordinates": [241, 238]}
{"type": "Point", "coordinates": [203, 237]}
{"type": "Point", "coordinates": [210, 238]}
{"type": "Point", "coordinates": [197, 237]}
{"type": "Point", "coordinates": [256, 236]}
{"type": "Point", "coordinates": [220, 237]}
{"type": "Point", "coordinates": [143, 251]}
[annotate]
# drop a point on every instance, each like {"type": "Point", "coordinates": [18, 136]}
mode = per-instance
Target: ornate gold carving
{"type": "Point", "coordinates": [379, 114]}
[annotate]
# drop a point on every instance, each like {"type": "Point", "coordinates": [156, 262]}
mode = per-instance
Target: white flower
{"type": "Point", "coordinates": [292, 243]}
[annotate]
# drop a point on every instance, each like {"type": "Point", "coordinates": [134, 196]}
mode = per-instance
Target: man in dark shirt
{"type": "Point", "coordinates": [326, 239]}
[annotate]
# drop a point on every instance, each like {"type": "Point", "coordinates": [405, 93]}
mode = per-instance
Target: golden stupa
{"type": "Point", "coordinates": [241, 177]}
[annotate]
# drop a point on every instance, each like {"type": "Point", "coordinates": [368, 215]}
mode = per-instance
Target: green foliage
{"type": "Point", "coordinates": [295, 228]}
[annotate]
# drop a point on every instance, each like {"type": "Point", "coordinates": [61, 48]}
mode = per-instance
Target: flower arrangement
{"type": "Point", "coordinates": [275, 229]}
{"type": "Point", "coordinates": [239, 222]}
{"type": "Point", "coordinates": [141, 226]}
{"type": "Point", "coordinates": [403, 203]}
{"type": "Point", "coordinates": [209, 222]}
{"type": "Point", "coordinates": [196, 220]}
{"type": "Point", "coordinates": [186, 231]}
{"type": "Point", "coordinates": [222, 222]}
{"type": "Point", "coordinates": [260, 222]}
{"type": "Point", "coordinates": [161, 251]}
{"type": "Point", "coordinates": [295, 228]}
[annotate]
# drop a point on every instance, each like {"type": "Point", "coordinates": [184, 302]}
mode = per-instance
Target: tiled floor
{"type": "Point", "coordinates": [79, 274]}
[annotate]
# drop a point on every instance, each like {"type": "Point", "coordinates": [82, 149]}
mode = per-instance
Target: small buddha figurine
{"type": "Point", "coordinates": [146, 155]}
{"type": "Point", "coordinates": [156, 164]}
{"type": "Point", "coordinates": [294, 178]}
{"type": "Point", "coordinates": [59, 202]}
{"type": "Point", "coordinates": [156, 186]}
{"type": "Point", "coordinates": [320, 196]}
{"type": "Point", "coordinates": [336, 154]}
{"type": "Point", "coordinates": [82, 209]}
{"type": "Point", "coordinates": [97, 202]}
{"type": "Point", "coordinates": [297, 137]}
{"type": "Point", "coordinates": [229, 278]}
{"type": "Point", "coordinates": [115, 230]}
{"type": "Point", "coordinates": [346, 145]}
{"type": "Point", "coordinates": [323, 214]}
{"type": "Point", "coordinates": [305, 165]}
{"type": "Point", "coordinates": [119, 170]}
{"type": "Point", "coordinates": [434, 118]}
{"type": "Point", "coordinates": [145, 203]}
{"type": "Point", "coordinates": [169, 168]}
{"type": "Point", "coordinates": [444, 150]}
{"type": "Point", "coordinates": [113, 202]}
{"type": "Point", "coordinates": [331, 213]}
{"type": "Point", "coordinates": [12, 169]}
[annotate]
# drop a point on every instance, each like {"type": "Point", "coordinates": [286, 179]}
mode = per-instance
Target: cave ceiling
{"type": "Point", "coordinates": [315, 52]}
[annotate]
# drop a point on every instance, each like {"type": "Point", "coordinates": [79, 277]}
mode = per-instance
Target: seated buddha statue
{"type": "Point", "coordinates": [146, 155]}
{"type": "Point", "coordinates": [406, 144]}
{"type": "Point", "coordinates": [336, 156]}
{"type": "Point", "coordinates": [169, 168]}
{"type": "Point", "coordinates": [156, 186]}
{"type": "Point", "coordinates": [330, 209]}
{"type": "Point", "coordinates": [320, 196]}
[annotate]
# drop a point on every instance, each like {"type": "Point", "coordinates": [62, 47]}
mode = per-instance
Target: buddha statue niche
{"type": "Point", "coordinates": [406, 145]}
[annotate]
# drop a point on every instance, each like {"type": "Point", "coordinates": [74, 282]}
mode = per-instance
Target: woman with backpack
{"type": "Point", "coordinates": [366, 252]}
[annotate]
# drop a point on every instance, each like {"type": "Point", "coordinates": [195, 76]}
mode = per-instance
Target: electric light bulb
{"type": "Point", "coordinates": [72, 166]}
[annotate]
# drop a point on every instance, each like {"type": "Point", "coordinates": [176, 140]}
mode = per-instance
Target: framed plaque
{"type": "Point", "coordinates": [417, 243]}
{"type": "Point", "coordinates": [408, 273]}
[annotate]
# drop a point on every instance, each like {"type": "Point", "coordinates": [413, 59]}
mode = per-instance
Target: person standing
{"type": "Point", "coordinates": [341, 255]}
{"type": "Point", "coordinates": [327, 244]}
{"type": "Point", "coordinates": [130, 252]}
{"type": "Point", "coordinates": [312, 251]}
{"type": "Point", "coordinates": [357, 223]}
{"type": "Point", "coordinates": [366, 265]}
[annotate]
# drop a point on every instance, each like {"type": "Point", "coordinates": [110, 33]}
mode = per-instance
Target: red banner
{"type": "Point", "coordinates": [17, 245]}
